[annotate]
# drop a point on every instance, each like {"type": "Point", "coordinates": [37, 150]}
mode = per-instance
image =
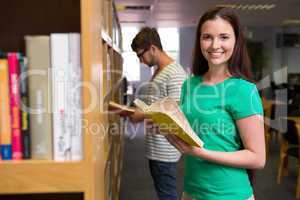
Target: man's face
{"type": "Point", "coordinates": [146, 57]}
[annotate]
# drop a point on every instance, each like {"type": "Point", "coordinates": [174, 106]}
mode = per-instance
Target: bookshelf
{"type": "Point", "coordinates": [98, 175]}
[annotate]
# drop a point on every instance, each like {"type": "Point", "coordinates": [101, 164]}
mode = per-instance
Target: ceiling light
{"type": "Point", "coordinates": [269, 7]}
{"type": "Point", "coordinates": [252, 7]}
{"type": "Point", "coordinates": [120, 7]}
{"type": "Point", "coordinates": [245, 7]}
{"type": "Point", "coordinates": [123, 7]}
{"type": "Point", "coordinates": [133, 22]}
{"type": "Point", "coordinates": [138, 7]}
{"type": "Point", "coordinates": [291, 22]}
{"type": "Point", "coordinates": [249, 7]}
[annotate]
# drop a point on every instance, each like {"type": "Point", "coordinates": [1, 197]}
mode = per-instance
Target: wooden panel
{"type": "Point", "coordinates": [41, 177]}
{"type": "Point", "coordinates": [19, 18]}
{"type": "Point", "coordinates": [44, 196]}
{"type": "Point", "coordinates": [96, 150]}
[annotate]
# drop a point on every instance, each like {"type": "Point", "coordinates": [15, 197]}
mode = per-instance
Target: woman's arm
{"type": "Point", "coordinates": [251, 131]}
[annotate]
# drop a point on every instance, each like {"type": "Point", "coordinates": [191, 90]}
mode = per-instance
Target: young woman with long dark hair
{"type": "Point", "coordinates": [224, 108]}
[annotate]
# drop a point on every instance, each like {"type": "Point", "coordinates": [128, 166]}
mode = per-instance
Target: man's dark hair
{"type": "Point", "coordinates": [145, 38]}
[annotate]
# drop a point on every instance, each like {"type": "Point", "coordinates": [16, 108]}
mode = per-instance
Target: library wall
{"type": "Point", "coordinates": [33, 17]}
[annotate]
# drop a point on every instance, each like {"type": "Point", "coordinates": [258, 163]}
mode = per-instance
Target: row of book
{"type": "Point", "coordinates": [40, 100]}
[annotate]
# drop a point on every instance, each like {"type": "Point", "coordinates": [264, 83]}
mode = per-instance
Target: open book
{"type": "Point", "coordinates": [113, 106]}
{"type": "Point", "coordinates": [167, 115]}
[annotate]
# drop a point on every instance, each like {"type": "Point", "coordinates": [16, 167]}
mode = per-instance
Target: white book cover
{"type": "Point", "coordinates": [73, 107]}
{"type": "Point", "coordinates": [39, 81]}
{"type": "Point", "coordinates": [60, 63]}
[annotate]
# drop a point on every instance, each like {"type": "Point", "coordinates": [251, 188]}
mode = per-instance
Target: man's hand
{"type": "Point", "coordinates": [137, 116]}
{"type": "Point", "coordinates": [124, 113]}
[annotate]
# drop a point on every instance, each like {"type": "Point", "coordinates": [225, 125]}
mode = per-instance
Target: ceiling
{"type": "Point", "coordinates": [181, 13]}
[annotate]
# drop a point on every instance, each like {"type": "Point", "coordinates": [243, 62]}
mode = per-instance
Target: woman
{"type": "Point", "coordinates": [224, 109]}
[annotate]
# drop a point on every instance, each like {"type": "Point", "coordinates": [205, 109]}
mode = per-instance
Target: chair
{"type": "Point", "coordinates": [289, 146]}
{"type": "Point", "coordinates": [267, 106]}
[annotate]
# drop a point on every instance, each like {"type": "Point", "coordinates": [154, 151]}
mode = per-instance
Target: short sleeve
{"type": "Point", "coordinates": [247, 101]}
{"type": "Point", "coordinates": [174, 85]}
{"type": "Point", "coordinates": [183, 92]}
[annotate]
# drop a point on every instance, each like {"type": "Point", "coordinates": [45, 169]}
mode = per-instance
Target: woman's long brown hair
{"type": "Point", "coordinates": [239, 64]}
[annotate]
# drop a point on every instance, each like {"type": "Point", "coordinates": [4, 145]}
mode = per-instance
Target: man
{"type": "Point", "coordinates": [166, 81]}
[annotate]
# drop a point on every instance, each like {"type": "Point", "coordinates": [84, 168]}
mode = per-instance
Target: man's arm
{"type": "Point", "coordinates": [137, 116]}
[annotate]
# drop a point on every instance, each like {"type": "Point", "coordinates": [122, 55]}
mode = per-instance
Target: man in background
{"type": "Point", "coordinates": [165, 82]}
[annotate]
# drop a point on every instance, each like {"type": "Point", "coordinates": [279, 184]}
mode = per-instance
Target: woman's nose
{"type": "Point", "coordinates": [215, 44]}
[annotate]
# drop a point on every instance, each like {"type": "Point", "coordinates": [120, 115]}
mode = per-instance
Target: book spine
{"type": "Point", "coordinates": [5, 125]}
{"type": "Point", "coordinates": [14, 92]}
{"type": "Point", "coordinates": [73, 108]}
{"type": "Point", "coordinates": [60, 64]}
{"type": "Point", "coordinates": [39, 82]}
{"type": "Point", "coordinates": [24, 108]}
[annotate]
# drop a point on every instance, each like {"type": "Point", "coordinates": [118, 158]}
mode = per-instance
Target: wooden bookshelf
{"type": "Point", "coordinates": [32, 176]}
{"type": "Point", "coordinates": [98, 175]}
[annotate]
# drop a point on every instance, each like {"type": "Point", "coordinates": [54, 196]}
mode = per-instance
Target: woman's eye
{"type": "Point", "coordinates": [224, 37]}
{"type": "Point", "coordinates": [206, 37]}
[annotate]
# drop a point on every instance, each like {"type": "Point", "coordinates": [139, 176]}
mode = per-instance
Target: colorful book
{"type": "Point", "coordinates": [14, 93]}
{"type": "Point", "coordinates": [25, 124]}
{"type": "Point", "coordinates": [39, 82]}
{"type": "Point", "coordinates": [5, 125]}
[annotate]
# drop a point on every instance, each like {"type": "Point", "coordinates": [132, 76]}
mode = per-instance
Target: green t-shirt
{"type": "Point", "coordinates": [211, 111]}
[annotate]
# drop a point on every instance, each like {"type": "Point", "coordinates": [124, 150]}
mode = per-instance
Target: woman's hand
{"type": "Point", "coordinates": [182, 146]}
{"type": "Point", "coordinates": [251, 130]}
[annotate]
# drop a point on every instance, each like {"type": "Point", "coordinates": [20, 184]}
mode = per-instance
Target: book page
{"type": "Point", "coordinates": [173, 110]}
{"type": "Point", "coordinates": [141, 105]}
{"type": "Point", "coordinates": [118, 107]}
{"type": "Point", "coordinates": [167, 114]}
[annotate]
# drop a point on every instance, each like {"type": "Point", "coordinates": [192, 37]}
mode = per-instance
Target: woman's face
{"type": "Point", "coordinates": [217, 41]}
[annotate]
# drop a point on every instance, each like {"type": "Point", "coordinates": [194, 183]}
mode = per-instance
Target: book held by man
{"type": "Point", "coordinates": [113, 106]}
{"type": "Point", "coordinates": [167, 115]}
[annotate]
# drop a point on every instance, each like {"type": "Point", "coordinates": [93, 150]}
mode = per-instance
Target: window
{"type": "Point", "coordinates": [170, 42]}
{"type": "Point", "coordinates": [131, 62]}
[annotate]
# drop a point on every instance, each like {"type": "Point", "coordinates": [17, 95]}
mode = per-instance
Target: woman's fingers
{"type": "Point", "coordinates": [173, 141]}
{"type": "Point", "coordinates": [182, 146]}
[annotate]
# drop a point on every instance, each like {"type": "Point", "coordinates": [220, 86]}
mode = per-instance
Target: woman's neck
{"type": "Point", "coordinates": [216, 74]}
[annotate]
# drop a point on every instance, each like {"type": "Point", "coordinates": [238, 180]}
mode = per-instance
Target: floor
{"type": "Point", "coordinates": [137, 184]}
